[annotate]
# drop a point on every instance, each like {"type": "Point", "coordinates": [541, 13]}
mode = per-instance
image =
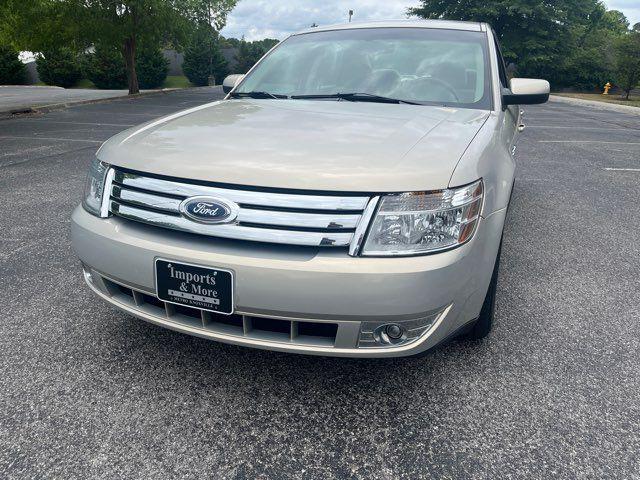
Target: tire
{"type": "Point", "coordinates": [483, 325]}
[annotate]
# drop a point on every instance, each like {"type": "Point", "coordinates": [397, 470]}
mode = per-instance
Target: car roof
{"type": "Point", "coordinates": [410, 23]}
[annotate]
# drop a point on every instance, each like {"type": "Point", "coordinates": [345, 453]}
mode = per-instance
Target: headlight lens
{"type": "Point", "coordinates": [94, 187]}
{"type": "Point", "coordinates": [424, 222]}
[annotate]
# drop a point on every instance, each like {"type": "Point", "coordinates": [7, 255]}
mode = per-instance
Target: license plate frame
{"type": "Point", "coordinates": [196, 286]}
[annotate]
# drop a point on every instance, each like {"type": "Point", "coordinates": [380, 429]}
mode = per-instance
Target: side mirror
{"type": "Point", "coordinates": [230, 82]}
{"type": "Point", "coordinates": [525, 91]}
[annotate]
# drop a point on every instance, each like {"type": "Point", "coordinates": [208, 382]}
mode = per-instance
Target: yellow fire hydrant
{"type": "Point", "coordinates": [607, 87]}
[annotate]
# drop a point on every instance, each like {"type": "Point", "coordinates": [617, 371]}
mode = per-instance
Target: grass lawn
{"type": "Point", "coordinates": [84, 83]}
{"type": "Point", "coordinates": [634, 100]}
{"type": "Point", "coordinates": [172, 81]}
{"type": "Point", "coordinates": [176, 81]}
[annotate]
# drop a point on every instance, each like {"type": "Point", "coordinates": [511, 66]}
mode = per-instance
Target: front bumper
{"type": "Point", "coordinates": [297, 284]}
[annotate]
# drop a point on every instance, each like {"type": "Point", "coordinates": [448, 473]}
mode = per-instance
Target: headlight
{"type": "Point", "coordinates": [424, 222]}
{"type": "Point", "coordinates": [94, 188]}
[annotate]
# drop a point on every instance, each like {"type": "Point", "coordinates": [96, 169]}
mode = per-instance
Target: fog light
{"type": "Point", "coordinates": [398, 333]}
{"type": "Point", "coordinates": [390, 334]}
{"type": "Point", "coordinates": [393, 331]}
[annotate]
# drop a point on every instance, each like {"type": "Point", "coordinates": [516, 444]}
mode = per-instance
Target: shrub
{"type": "Point", "coordinates": [12, 70]}
{"type": "Point", "coordinates": [152, 68]}
{"type": "Point", "coordinates": [203, 58]}
{"type": "Point", "coordinates": [628, 62]}
{"type": "Point", "coordinates": [59, 67]}
{"type": "Point", "coordinates": [105, 68]}
{"type": "Point", "coordinates": [250, 52]}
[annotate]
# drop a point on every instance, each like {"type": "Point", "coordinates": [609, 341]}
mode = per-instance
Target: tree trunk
{"type": "Point", "coordinates": [130, 62]}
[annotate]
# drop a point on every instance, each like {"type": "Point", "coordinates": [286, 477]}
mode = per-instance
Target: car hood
{"type": "Point", "coordinates": [303, 144]}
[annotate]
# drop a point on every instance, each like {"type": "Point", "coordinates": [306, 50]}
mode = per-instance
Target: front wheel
{"type": "Point", "coordinates": [483, 325]}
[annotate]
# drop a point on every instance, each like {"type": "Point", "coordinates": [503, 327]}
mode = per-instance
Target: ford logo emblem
{"type": "Point", "coordinates": [209, 210]}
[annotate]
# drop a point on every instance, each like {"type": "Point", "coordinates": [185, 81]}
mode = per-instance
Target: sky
{"type": "Point", "coordinates": [258, 19]}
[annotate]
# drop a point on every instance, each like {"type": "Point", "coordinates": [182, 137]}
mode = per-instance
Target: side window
{"type": "Point", "coordinates": [502, 71]}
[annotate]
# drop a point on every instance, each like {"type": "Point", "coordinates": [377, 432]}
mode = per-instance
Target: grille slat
{"type": "Point", "coordinates": [142, 199]}
{"type": "Point", "coordinates": [301, 220]}
{"type": "Point", "coordinates": [310, 220]}
{"type": "Point", "coordinates": [237, 232]}
{"type": "Point", "coordinates": [244, 197]}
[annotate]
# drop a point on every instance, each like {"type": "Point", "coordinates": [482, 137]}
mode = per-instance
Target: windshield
{"type": "Point", "coordinates": [415, 65]}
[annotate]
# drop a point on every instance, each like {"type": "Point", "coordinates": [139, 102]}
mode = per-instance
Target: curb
{"type": "Point", "coordinates": [60, 106]}
{"type": "Point", "coordinates": [32, 86]}
{"type": "Point", "coordinates": [595, 104]}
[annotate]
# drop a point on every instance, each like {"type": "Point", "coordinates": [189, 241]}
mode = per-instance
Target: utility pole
{"type": "Point", "coordinates": [350, 15]}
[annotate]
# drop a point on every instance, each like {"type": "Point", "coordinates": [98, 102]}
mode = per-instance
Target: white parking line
{"type": "Point", "coordinates": [577, 128]}
{"type": "Point", "coordinates": [612, 169]}
{"type": "Point", "coordinates": [150, 115]}
{"type": "Point", "coordinates": [588, 141]}
{"type": "Point", "coordinates": [50, 122]}
{"type": "Point", "coordinates": [51, 138]}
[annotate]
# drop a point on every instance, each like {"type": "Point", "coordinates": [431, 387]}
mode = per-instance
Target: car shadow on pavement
{"type": "Point", "coordinates": [185, 356]}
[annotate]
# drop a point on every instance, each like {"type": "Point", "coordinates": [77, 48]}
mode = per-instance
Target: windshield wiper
{"type": "Point", "coordinates": [257, 95]}
{"type": "Point", "coordinates": [355, 97]}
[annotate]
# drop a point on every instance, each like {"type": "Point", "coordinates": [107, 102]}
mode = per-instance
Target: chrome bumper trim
{"type": "Point", "coordinates": [233, 231]}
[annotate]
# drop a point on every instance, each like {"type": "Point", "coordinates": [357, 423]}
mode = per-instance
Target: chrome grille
{"type": "Point", "coordinates": [264, 216]}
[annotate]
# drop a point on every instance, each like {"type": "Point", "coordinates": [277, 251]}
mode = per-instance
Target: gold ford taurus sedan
{"type": "Point", "coordinates": [346, 198]}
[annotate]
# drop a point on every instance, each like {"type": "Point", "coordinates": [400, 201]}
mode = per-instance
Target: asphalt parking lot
{"type": "Point", "coordinates": [88, 392]}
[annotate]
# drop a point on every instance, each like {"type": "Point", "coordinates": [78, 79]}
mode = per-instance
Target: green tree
{"type": "Point", "coordinates": [246, 57]}
{"type": "Point", "coordinates": [12, 71]}
{"type": "Point", "coordinates": [203, 58]}
{"type": "Point", "coordinates": [250, 52]}
{"type": "Point", "coordinates": [628, 62]}
{"type": "Point", "coordinates": [123, 24]}
{"type": "Point", "coordinates": [539, 36]}
{"type": "Point", "coordinates": [590, 61]}
{"type": "Point", "coordinates": [38, 25]}
{"type": "Point", "coordinates": [105, 68]}
{"type": "Point", "coordinates": [126, 22]}
{"type": "Point", "coordinates": [8, 17]}
{"type": "Point", "coordinates": [59, 67]}
{"type": "Point", "coordinates": [230, 42]}
{"type": "Point", "coordinates": [152, 67]}
{"type": "Point", "coordinates": [615, 20]}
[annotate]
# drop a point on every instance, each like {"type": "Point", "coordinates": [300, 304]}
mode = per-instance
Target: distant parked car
{"type": "Point", "coordinates": [347, 198]}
